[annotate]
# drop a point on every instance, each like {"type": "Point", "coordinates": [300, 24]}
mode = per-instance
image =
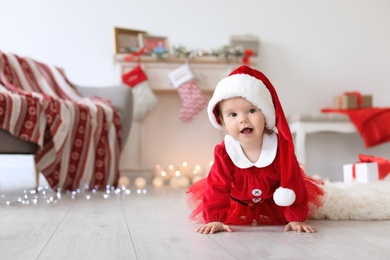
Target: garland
{"type": "Point", "coordinates": [227, 52]}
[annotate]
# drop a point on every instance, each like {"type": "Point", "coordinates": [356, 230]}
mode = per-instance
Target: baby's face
{"type": "Point", "coordinates": [242, 120]}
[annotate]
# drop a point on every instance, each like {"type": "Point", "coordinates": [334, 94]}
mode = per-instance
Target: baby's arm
{"type": "Point", "coordinates": [213, 227]}
{"type": "Point", "coordinates": [299, 227]}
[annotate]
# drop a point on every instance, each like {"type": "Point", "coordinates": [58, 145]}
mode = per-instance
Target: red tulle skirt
{"type": "Point", "coordinates": [265, 213]}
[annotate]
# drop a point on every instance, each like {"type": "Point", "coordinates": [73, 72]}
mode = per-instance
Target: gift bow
{"type": "Point", "coordinates": [246, 58]}
{"type": "Point", "coordinates": [357, 94]}
{"type": "Point", "coordinates": [383, 165]}
{"type": "Point", "coordinates": [134, 55]}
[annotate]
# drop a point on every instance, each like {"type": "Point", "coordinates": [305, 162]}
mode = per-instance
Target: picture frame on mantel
{"type": "Point", "coordinates": [127, 40]}
{"type": "Point", "coordinates": [151, 42]}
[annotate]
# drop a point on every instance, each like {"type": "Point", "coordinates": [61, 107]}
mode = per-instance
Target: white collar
{"type": "Point", "coordinates": [267, 156]}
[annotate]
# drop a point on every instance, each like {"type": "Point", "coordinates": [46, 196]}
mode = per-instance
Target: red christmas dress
{"type": "Point", "coordinates": [239, 192]}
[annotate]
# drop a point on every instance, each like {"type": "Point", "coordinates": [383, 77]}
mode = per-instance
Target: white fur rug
{"type": "Point", "coordinates": [357, 201]}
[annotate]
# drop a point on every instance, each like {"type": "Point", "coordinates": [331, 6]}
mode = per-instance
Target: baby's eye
{"type": "Point", "coordinates": [252, 110]}
{"type": "Point", "coordinates": [232, 114]}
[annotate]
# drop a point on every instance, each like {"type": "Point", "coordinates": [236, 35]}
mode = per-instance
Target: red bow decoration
{"type": "Point", "coordinates": [357, 94]}
{"type": "Point", "coordinates": [383, 165]}
{"type": "Point", "coordinates": [247, 54]}
{"type": "Point", "coordinates": [134, 55]}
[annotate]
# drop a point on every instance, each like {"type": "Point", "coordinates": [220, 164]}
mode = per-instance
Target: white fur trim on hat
{"type": "Point", "coordinates": [245, 86]}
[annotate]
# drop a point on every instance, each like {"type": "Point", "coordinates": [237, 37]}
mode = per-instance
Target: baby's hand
{"type": "Point", "coordinates": [299, 227]}
{"type": "Point", "coordinates": [213, 227]}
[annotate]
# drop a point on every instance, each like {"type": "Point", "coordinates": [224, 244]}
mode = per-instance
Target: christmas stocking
{"type": "Point", "coordinates": [144, 98]}
{"type": "Point", "coordinates": [190, 93]}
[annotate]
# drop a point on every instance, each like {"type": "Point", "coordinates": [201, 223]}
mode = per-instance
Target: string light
{"type": "Point", "coordinates": [47, 196]}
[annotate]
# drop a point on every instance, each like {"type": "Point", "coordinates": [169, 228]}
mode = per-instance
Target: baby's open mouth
{"type": "Point", "coordinates": [246, 130]}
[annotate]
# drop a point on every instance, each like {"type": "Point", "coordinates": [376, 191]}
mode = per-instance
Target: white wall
{"type": "Point", "coordinates": [311, 50]}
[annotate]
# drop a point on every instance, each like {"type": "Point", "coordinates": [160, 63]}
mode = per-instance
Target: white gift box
{"type": "Point", "coordinates": [364, 172]}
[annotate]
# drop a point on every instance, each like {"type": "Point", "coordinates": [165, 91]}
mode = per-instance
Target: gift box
{"type": "Point", "coordinates": [369, 169]}
{"type": "Point", "coordinates": [352, 100]}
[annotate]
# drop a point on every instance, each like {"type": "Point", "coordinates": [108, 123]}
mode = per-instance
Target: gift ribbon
{"type": "Point", "coordinates": [354, 171]}
{"type": "Point", "coordinates": [357, 94]}
{"type": "Point", "coordinates": [383, 165]}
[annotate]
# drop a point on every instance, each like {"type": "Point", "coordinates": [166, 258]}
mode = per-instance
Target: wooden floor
{"type": "Point", "coordinates": [154, 225]}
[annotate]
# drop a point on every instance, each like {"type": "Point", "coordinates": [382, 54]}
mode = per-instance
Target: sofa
{"type": "Point", "coordinates": [76, 133]}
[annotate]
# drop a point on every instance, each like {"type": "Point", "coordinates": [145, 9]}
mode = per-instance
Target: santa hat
{"type": "Point", "coordinates": [255, 87]}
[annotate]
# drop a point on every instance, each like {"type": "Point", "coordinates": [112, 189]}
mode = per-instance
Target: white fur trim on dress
{"type": "Point", "coordinates": [248, 87]}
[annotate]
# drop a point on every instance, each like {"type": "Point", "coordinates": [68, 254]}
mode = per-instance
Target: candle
{"type": "Point", "coordinates": [184, 169]}
{"type": "Point", "coordinates": [123, 182]}
{"type": "Point", "coordinates": [157, 170]}
{"type": "Point", "coordinates": [140, 182]}
{"type": "Point", "coordinates": [175, 182]}
{"type": "Point", "coordinates": [171, 171]}
{"type": "Point", "coordinates": [198, 169]}
{"type": "Point", "coordinates": [184, 181]}
{"type": "Point", "coordinates": [158, 182]}
{"type": "Point", "coordinates": [163, 174]}
{"type": "Point", "coordinates": [177, 173]}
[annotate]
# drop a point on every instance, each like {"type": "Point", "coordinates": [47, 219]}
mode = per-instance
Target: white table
{"type": "Point", "coordinates": [303, 124]}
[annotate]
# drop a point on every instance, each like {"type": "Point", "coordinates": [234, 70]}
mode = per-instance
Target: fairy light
{"type": "Point", "coordinates": [45, 195]}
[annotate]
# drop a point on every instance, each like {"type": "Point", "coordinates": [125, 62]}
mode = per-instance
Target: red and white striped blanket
{"type": "Point", "coordinates": [79, 138]}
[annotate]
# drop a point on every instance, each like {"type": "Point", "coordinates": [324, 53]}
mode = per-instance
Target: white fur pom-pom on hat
{"type": "Point", "coordinates": [284, 197]}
